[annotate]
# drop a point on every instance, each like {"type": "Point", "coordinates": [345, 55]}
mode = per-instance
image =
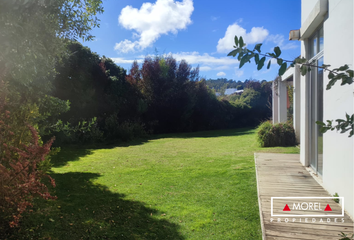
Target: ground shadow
{"type": "Point", "coordinates": [85, 210]}
{"type": "Point", "coordinates": [74, 152]}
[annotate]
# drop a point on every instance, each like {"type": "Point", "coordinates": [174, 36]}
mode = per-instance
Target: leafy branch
{"type": "Point", "coordinates": [343, 73]}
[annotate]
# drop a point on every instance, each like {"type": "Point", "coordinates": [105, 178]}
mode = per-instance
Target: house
{"type": "Point", "coordinates": [230, 91]}
{"type": "Point", "coordinates": [327, 36]}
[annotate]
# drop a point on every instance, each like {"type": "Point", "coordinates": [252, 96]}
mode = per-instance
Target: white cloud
{"type": "Point", "coordinates": [197, 58]}
{"type": "Point", "coordinates": [279, 39]}
{"type": "Point", "coordinates": [220, 74]}
{"type": "Point", "coordinates": [257, 35]}
{"type": "Point", "coordinates": [239, 73]}
{"type": "Point", "coordinates": [126, 46]}
{"type": "Point", "coordinates": [205, 68]}
{"type": "Point", "coordinates": [126, 61]}
{"type": "Point", "coordinates": [152, 20]}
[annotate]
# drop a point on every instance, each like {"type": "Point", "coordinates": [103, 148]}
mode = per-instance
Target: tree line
{"type": "Point", "coordinates": [160, 95]}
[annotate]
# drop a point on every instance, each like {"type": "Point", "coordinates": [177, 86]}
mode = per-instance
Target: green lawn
{"type": "Point", "coordinates": [182, 186]}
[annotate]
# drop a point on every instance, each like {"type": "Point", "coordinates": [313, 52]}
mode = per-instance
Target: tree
{"type": "Point", "coordinates": [342, 73]}
{"type": "Point", "coordinates": [34, 34]}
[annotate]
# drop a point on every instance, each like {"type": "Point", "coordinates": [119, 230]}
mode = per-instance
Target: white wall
{"type": "Point", "coordinates": [296, 102]}
{"type": "Point", "coordinates": [304, 114]}
{"type": "Point", "coordinates": [338, 149]}
{"type": "Point", "coordinates": [306, 8]}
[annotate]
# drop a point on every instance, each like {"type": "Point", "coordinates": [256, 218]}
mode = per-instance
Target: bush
{"type": "Point", "coordinates": [280, 134]}
{"type": "Point", "coordinates": [124, 131]}
{"type": "Point", "coordinates": [81, 133]}
{"type": "Point", "coordinates": [21, 169]}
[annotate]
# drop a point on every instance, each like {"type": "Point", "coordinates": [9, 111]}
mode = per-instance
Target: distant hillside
{"type": "Point", "coordinates": [221, 84]}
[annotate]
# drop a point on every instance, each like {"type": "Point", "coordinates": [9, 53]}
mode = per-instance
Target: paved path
{"type": "Point", "coordinates": [282, 175]}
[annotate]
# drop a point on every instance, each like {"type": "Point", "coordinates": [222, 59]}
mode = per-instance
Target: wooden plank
{"type": "Point", "coordinates": [282, 175]}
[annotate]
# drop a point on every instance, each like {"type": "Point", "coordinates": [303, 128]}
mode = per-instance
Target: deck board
{"type": "Point", "coordinates": [282, 175]}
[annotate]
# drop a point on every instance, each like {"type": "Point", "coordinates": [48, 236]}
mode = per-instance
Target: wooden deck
{"type": "Point", "coordinates": [282, 175]}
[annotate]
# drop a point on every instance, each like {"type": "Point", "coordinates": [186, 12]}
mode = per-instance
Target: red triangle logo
{"type": "Point", "coordinates": [328, 208]}
{"type": "Point", "coordinates": [286, 208]}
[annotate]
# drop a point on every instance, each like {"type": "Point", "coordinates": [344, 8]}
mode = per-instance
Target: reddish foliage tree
{"type": "Point", "coordinates": [20, 178]}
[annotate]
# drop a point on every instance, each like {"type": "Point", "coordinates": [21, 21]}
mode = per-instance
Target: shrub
{"type": "Point", "coordinates": [21, 170]}
{"type": "Point", "coordinates": [124, 131]}
{"type": "Point", "coordinates": [280, 134]}
{"type": "Point", "coordinates": [83, 132]}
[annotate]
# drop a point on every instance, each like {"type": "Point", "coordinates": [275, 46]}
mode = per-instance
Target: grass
{"type": "Point", "coordinates": [182, 186]}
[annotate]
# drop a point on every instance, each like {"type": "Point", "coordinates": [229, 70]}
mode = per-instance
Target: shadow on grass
{"type": "Point", "coordinates": [73, 153]}
{"type": "Point", "coordinates": [85, 210]}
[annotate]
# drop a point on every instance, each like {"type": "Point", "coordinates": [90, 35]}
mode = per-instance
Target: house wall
{"type": "Point", "coordinates": [296, 102]}
{"type": "Point", "coordinates": [338, 153]}
{"type": "Point", "coordinates": [338, 148]}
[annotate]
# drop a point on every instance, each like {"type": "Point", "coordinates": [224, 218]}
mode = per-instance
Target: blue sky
{"type": "Point", "coordinates": [201, 32]}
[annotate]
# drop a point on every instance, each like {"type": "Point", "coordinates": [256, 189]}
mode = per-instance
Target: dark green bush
{"type": "Point", "coordinates": [124, 131]}
{"type": "Point", "coordinates": [280, 134]}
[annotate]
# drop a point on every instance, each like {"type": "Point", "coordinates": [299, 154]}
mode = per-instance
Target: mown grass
{"type": "Point", "coordinates": [181, 186]}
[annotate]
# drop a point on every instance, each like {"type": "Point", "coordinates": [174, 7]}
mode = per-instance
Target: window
{"type": "Point", "coordinates": [316, 52]}
{"type": "Point", "coordinates": [316, 43]}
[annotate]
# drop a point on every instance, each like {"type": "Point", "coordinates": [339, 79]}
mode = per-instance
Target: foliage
{"type": "Point", "coordinates": [280, 134]}
{"type": "Point", "coordinates": [336, 199]}
{"type": "Point", "coordinates": [97, 90]}
{"type": "Point", "coordinates": [83, 132]}
{"type": "Point", "coordinates": [344, 236]}
{"type": "Point", "coordinates": [34, 34]}
{"type": "Point", "coordinates": [342, 73]}
{"type": "Point", "coordinates": [125, 131]}
{"type": "Point", "coordinates": [290, 110]}
{"type": "Point", "coordinates": [21, 169]}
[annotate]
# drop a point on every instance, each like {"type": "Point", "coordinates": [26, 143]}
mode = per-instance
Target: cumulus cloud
{"type": "Point", "coordinates": [256, 35]}
{"type": "Point", "coordinates": [220, 74]}
{"type": "Point", "coordinates": [152, 20]}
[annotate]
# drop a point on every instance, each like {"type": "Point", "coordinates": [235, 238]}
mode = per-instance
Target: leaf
{"type": "Point", "coordinates": [245, 59]}
{"type": "Point", "coordinates": [303, 70]}
{"type": "Point", "coordinates": [350, 72]}
{"type": "Point", "coordinates": [320, 123]}
{"type": "Point", "coordinates": [236, 41]}
{"type": "Point", "coordinates": [282, 69]}
{"type": "Point", "coordinates": [268, 66]}
{"type": "Point", "coordinates": [261, 63]}
{"type": "Point", "coordinates": [233, 53]}
{"type": "Point", "coordinates": [280, 61]}
{"type": "Point", "coordinates": [277, 51]}
{"type": "Point", "coordinates": [343, 68]}
{"type": "Point", "coordinates": [241, 43]}
{"type": "Point", "coordinates": [330, 75]}
{"type": "Point", "coordinates": [256, 58]}
{"type": "Point", "coordinates": [258, 47]}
